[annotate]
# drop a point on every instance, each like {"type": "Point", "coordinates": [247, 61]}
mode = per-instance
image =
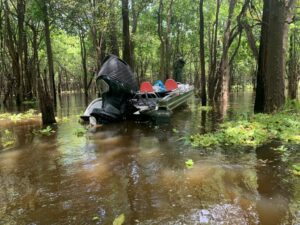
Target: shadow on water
{"type": "Point", "coordinates": [138, 169]}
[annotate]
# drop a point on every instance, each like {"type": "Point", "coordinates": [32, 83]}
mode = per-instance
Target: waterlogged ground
{"type": "Point", "coordinates": [138, 172]}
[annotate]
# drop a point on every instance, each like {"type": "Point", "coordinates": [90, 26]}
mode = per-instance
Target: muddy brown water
{"type": "Point", "coordinates": [138, 169]}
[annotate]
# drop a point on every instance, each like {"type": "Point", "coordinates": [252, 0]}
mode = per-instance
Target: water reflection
{"type": "Point", "coordinates": [273, 186]}
{"type": "Point", "coordinates": [139, 170]}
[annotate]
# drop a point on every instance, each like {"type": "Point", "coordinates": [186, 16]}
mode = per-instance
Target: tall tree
{"type": "Point", "coordinates": [202, 55]}
{"type": "Point", "coordinates": [45, 11]}
{"type": "Point", "coordinates": [261, 68]}
{"type": "Point", "coordinates": [271, 71]}
{"type": "Point", "coordinates": [84, 64]}
{"type": "Point", "coordinates": [213, 53]}
{"type": "Point", "coordinates": [293, 68]}
{"type": "Point", "coordinates": [222, 80]}
{"type": "Point", "coordinates": [164, 37]}
{"type": "Point", "coordinates": [126, 33]}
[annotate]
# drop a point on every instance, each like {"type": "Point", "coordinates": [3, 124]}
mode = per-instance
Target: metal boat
{"type": "Point", "coordinates": [122, 100]}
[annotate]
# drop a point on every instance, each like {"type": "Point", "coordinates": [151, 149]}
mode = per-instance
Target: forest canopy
{"type": "Point", "coordinates": [221, 42]}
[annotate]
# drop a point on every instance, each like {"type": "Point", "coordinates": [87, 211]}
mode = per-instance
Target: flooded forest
{"type": "Point", "coordinates": [164, 112]}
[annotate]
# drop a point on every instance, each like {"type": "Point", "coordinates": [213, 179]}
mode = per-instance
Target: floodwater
{"type": "Point", "coordinates": [138, 170]}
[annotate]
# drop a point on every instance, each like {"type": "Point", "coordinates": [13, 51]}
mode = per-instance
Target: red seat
{"type": "Point", "coordinates": [146, 87]}
{"type": "Point", "coordinates": [171, 85]}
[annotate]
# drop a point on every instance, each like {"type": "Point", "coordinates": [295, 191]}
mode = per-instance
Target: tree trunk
{"type": "Point", "coordinates": [35, 60]}
{"type": "Point", "coordinates": [167, 42]}
{"type": "Point", "coordinates": [27, 72]}
{"type": "Point", "coordinates": [162, 47]}
{"type": "Point", "coordinates": [211, 78]}
{"type": "Point", "coordinates": [46, 103]}
{"type": "Point", "coordinates": [126, 34]}
{"type": "Point", "coordinates": [21, 40]}
{"type": "Point", "coordinates": [223, 76]}
{"type": "Point", "coordinates": [250, 39]}
{"type": "Point", "coordinates": [293, 69]}
{"type": "Point", "coordinates": [202, 56]}
{"type": "Point", "coordinates": [113, 38]}
{"type": "Point", "coordinates": [262, 69]}
{"type": "Point", "coordinates": [221, 89]}
{"type": "Point", "coordinates": [14, 55]}
{"type": "Point", "coordinates": [276, 48]}
{"type": "Point", "coordinates": [49, 52]}
{"type": "Point", "coordinates": [84, 66]}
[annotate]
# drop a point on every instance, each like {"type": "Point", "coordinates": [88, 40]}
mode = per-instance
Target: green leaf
{"type": "Point", "coordinates": [296, 167]}
{"type": "Point", "coordinates": [189, 163]}
{"type": "Point", "coordinates": [281, 148]}
{"type": "Point", "coordinates": [96, 218]}
{"type": "Point", "coordinates": [119, 220]}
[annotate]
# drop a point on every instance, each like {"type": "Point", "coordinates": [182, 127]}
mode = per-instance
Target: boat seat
{"type": "Point", "coordinates": [171, 85]}
{"type": "Point", "coordinates": [146, 87]}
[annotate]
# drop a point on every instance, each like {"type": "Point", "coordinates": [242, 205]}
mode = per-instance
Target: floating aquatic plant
{"type": "Point", "coordinates": [189, 163]}
{"type": "Point", "coordinates": [119, 220]}
{"type": "Point", "coordinates": [44, 132]}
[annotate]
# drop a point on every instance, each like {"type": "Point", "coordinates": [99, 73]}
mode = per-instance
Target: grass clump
{"type": "Point", "coordinates": [253, 131]}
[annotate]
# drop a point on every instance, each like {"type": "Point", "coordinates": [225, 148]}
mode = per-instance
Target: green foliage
{"type": "Point", "coordinates": [31, 113]}
{"type": "Point", "coordinates": [281, 149]}
{"type": "Point", "coordinates": [254, 131]}
{"type": "Point", "coordinates": [296, 169]}
{"type": "Point", "coordinates": [189, 163]}
{"type": "Point", "coordinates": [30, 102]}
{"type": "Point", "coordinates": [205, 140]}
{"type": "Point", "coordinates": [119, 220]}
{"type": "Point", "coordinates": [95, 218]}
{"type": "Point", "coordinates": [7, 139]}
{"type": "Point", "coordinates": [44, 132]}
{"type": "Point", "coordinates": [175, 131]}
{"type": "Point", "coordinates": [79, 132]}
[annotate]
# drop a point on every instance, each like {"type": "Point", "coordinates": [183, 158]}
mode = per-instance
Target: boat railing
{"type": "Point", "coordinates": [176, 92]}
